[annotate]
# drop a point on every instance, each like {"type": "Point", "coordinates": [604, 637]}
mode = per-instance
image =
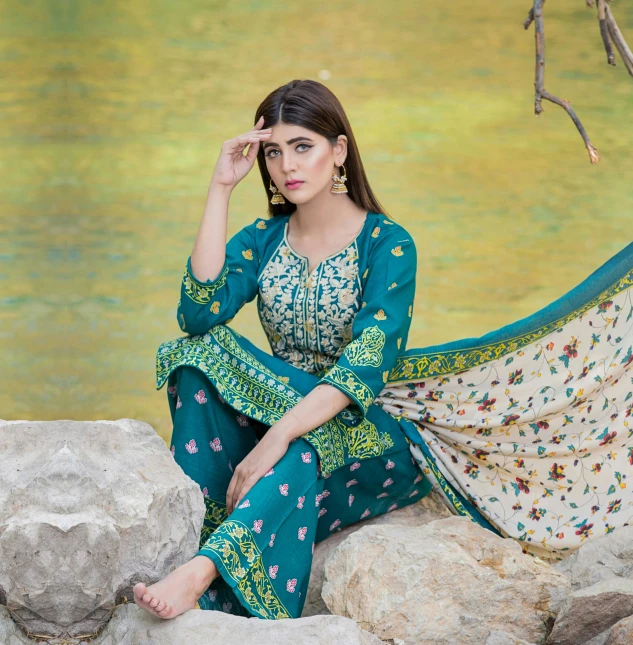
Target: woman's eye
{"type": "Point", "coordinates": [270, 153]}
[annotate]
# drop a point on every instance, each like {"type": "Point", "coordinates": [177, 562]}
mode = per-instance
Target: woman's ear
{"type": "Point", "coordinates": [340, 150]}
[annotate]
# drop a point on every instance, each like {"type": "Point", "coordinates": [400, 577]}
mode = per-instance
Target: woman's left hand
{"type": "Point", "coordinates": [270, 449]}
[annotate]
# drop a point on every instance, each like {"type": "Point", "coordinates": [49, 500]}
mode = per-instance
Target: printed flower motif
{"type": "Point", "coordinates": [397, 251]}
{"type": "Point", "coordinates": [318, 499]}
{"type": "Point", "coordinates": [350, 500]}
{"type": "Point", "coordinates": [291, 584]}
{"type": "Point", "coordinates": [351, 482]}
{"type": "Point", "coordinates": [173, 389]}
{"type": "Point", "coordinates": [322, 512]}
{"type": "Point", "coordinates": [220, 399]}
{"type": "Point", "coordinates": [243, 420]}
{"type": "Point", "coordinates": [215, 445]}
{"type": "Point", "coordinates": [191, 447]}
{"type": "Point", "coordinates": [550, 347]}
{"type": "Point", "coordinates": [173, 450]}
{"type": "Point", "coordinates": [215, 307]}
{"type": "Point", "coordinates": [230, 466]}
{"type": "Point", "coordinates": [334, 524]}
{"type": "Point", "coordinates": [571, 350]}
{"type": "Point", "coordinates": [399, 342]}
{"type": "Point", "coordinates": [380, 315]}
{"type": "Point", "coordinates": [248, 254]}
{"type": "Point", "coordinates": [205, 492]}
{"type": "Point", "coordinates": [283, 489]}
{"type": "Point", "coordinates": [355, 465]}
{"type": "Point", "coordinates": [301, 533]}
{"type": "Point", "coordinates": [226, 607]}
{"type": "Point", "coordinates": [325, 493]}
{"type": "Point", "coordinates": [300, 502]}
{"type": "Point", "coordinates": [365, 514]}
{"type": "Point", "coordinates": [272, 540]}
{"type": "Point", "coordinates": [200, 397]}
{"type": "Point", "coordinates": [382, 495]}
{"type": "Point", "coordinates": [270, 472]}
{"type": "Point", "coordinates": [257, 526]}
{"type": "Point", "coordinates": [415, 492]}
{"type": "Point", "coordinates": [213, 594]}
{"type": "Point", "coordinates": [393, 285]}
{"type": "Point", "coordinates": [376, 232]}
{"type": "Point", "coordinates": [244, 504]}
{"type": "Point", "coordinates": [178, 403]}
{"type": "Point", "coordinates": [261, 225]}
{"type": "Point", "coordinates": [385, 376]}
{"type": "Point", "coordinates": [272, 571]}
{"type": "Point", "coordinates": [387, 482]}
{"type": "Point", "coordinates": [393, 507]}
{"type": "Point", "coordinates": [306, 457]}
{"type": "Point", "coordinates": [389, 464]}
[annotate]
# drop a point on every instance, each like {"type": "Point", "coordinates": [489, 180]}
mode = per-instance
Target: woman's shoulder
{"type": "Point", "coordinates": [385, 231]}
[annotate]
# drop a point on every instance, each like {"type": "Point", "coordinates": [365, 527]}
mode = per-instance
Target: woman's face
{"type": "Point", "coordinates": [294, 152]}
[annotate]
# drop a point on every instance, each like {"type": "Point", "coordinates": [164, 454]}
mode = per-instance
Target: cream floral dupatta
{"type": "Point", "coordinates": [533, 423]}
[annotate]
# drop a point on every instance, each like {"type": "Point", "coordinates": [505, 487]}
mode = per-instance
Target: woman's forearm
{"type": "Point", "coordinates": [209, 249]}
{"type": "Point", "coordinates": [321, 404]}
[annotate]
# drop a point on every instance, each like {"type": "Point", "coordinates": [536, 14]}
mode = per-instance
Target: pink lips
{"type": "Point", "coordinates": [294, 184]}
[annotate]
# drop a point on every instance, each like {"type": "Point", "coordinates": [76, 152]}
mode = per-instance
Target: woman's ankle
{"type": "Point", "coordinates": [206, 569]}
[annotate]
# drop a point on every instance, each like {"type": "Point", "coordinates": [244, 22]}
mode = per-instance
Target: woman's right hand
{"type": "Point", "coordinates": [232, 166]}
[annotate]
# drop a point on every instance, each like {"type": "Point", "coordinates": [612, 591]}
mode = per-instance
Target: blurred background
{"type": "Point", "coordinates": [112, 115]}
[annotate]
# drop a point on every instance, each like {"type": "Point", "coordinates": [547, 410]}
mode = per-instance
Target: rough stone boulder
{"type": "Point", "coordinates": [601, 602]}
{"type": "Point", "coordinates": [130, 625]}
{"type": "Point", "coordinates": [429, 508]}
{"type": "Point", "coordinates": [450, 581]}
{"type": "Point", "coordinates": [87, 508]}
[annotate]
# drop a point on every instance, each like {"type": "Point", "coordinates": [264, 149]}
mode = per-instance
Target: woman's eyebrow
{"type": "Point", "coordinates": [272, 143]}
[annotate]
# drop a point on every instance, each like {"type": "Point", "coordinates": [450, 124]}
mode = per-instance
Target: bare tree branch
{"type": "Point", "coordinates": [541, 93]}
{"type": "Point", "coordinates": [618, 39]}
{"type": "Point", "coordinates": [602, 5]}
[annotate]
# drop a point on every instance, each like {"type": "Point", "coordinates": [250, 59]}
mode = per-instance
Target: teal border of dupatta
{"type": "Point", "coordinates": [613, 277]}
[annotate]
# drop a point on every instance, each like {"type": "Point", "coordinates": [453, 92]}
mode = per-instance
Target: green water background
{"type": "Point", "coordinates": [111, 119]}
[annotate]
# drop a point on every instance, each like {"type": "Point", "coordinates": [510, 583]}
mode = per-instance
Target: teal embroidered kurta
{"type": "Point", "coordinates": [346, 323]}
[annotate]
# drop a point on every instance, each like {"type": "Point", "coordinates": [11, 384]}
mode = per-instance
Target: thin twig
{"type": "Point", "coordinates": [540, 92]}
{"type": "Point", "coordinates": [618, 39]}
{"type": "Point", "coordinates": [604, 32]}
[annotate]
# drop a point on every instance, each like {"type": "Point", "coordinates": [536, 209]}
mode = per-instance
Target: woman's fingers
{"type": "Point", "coordinates": [229, 493]}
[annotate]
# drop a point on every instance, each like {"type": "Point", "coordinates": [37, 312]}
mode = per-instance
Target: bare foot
{"type": "Point", "coordinates": [178, 591]}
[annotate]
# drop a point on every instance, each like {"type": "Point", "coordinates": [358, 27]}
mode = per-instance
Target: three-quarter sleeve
{"type": "Point", "coordinates": [381, 327]}
{"type": "Point", "coordinates": [203, 305]}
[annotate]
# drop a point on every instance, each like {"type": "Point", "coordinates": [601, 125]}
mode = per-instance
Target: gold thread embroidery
{"type": "Point", "coordinates": [367, 348]}
{"type": "Point", "coordinates": [413, 368]}
{"type": "Point", "coordinates": [347, 380]}
{"type": "Point", "coordinates": [236, 546]}
{"type": "Point", "coordinates": [200, 293]}
{"type": "Point", "coordinates": [214, 516]}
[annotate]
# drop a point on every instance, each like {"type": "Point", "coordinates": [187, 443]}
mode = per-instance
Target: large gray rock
{"type": "Point", "coordinates": [86, 510]}
{"type": "Point", "coordinates": [621, 633]}
{"type": "Point", "coordinates": [429, 508]}
{"type": "Point", "coordinates": [450, 581]}
{"type": "Point", "coordinates": [605, 558]}
{"type": "Point", "coordinates": [592, 611]}
{"type": "Point", "coordinates": [131, 625]}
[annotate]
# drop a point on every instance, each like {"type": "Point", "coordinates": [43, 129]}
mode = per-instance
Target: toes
{"type": "Point", "coordinates": [154, 602]}
{"type": "Point", "coordinates": [147, 598]}
{"type": "Point", "coordinates": [139, 590]}
{"type": "Point", "coordinates": [160, 606]}
{"type": "Point", "coordinates": [165, 612]}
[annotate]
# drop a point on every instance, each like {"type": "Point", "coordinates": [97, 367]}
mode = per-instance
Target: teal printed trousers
{"type": "Point", "coordinates": [264, 549]}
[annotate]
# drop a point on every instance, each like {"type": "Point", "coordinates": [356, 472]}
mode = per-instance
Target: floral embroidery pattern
{"type": "Point", "coordinates": [235, 546]}
{"type": "Point", "coordinates": [201, 293]}
{"type": "Point", "coordinates": [308, 318]}
{"type": "Point", "coordinates": [367, 348]}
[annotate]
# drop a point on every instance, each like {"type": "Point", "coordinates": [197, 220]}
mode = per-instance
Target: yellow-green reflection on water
{"type": "Point", "coordinates": [112, 119]}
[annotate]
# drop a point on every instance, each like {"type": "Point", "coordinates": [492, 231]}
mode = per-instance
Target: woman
{"type": "Point", "coordinates": [290, 447]}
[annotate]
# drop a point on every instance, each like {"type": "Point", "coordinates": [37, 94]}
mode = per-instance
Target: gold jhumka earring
{"type": "Point", "coordinates": [278, 198]}
{"type": "Point", "coordinates": [339, 182]}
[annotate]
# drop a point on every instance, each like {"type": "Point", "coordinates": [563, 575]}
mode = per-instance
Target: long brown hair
{"type": "Point", "coordinates": [312, 105]}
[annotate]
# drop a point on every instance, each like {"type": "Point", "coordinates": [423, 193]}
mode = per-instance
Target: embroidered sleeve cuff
{"type": "Point", "coordinates": [202, 292]}
{"type": "Point", "coordinates": [348, 382]}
